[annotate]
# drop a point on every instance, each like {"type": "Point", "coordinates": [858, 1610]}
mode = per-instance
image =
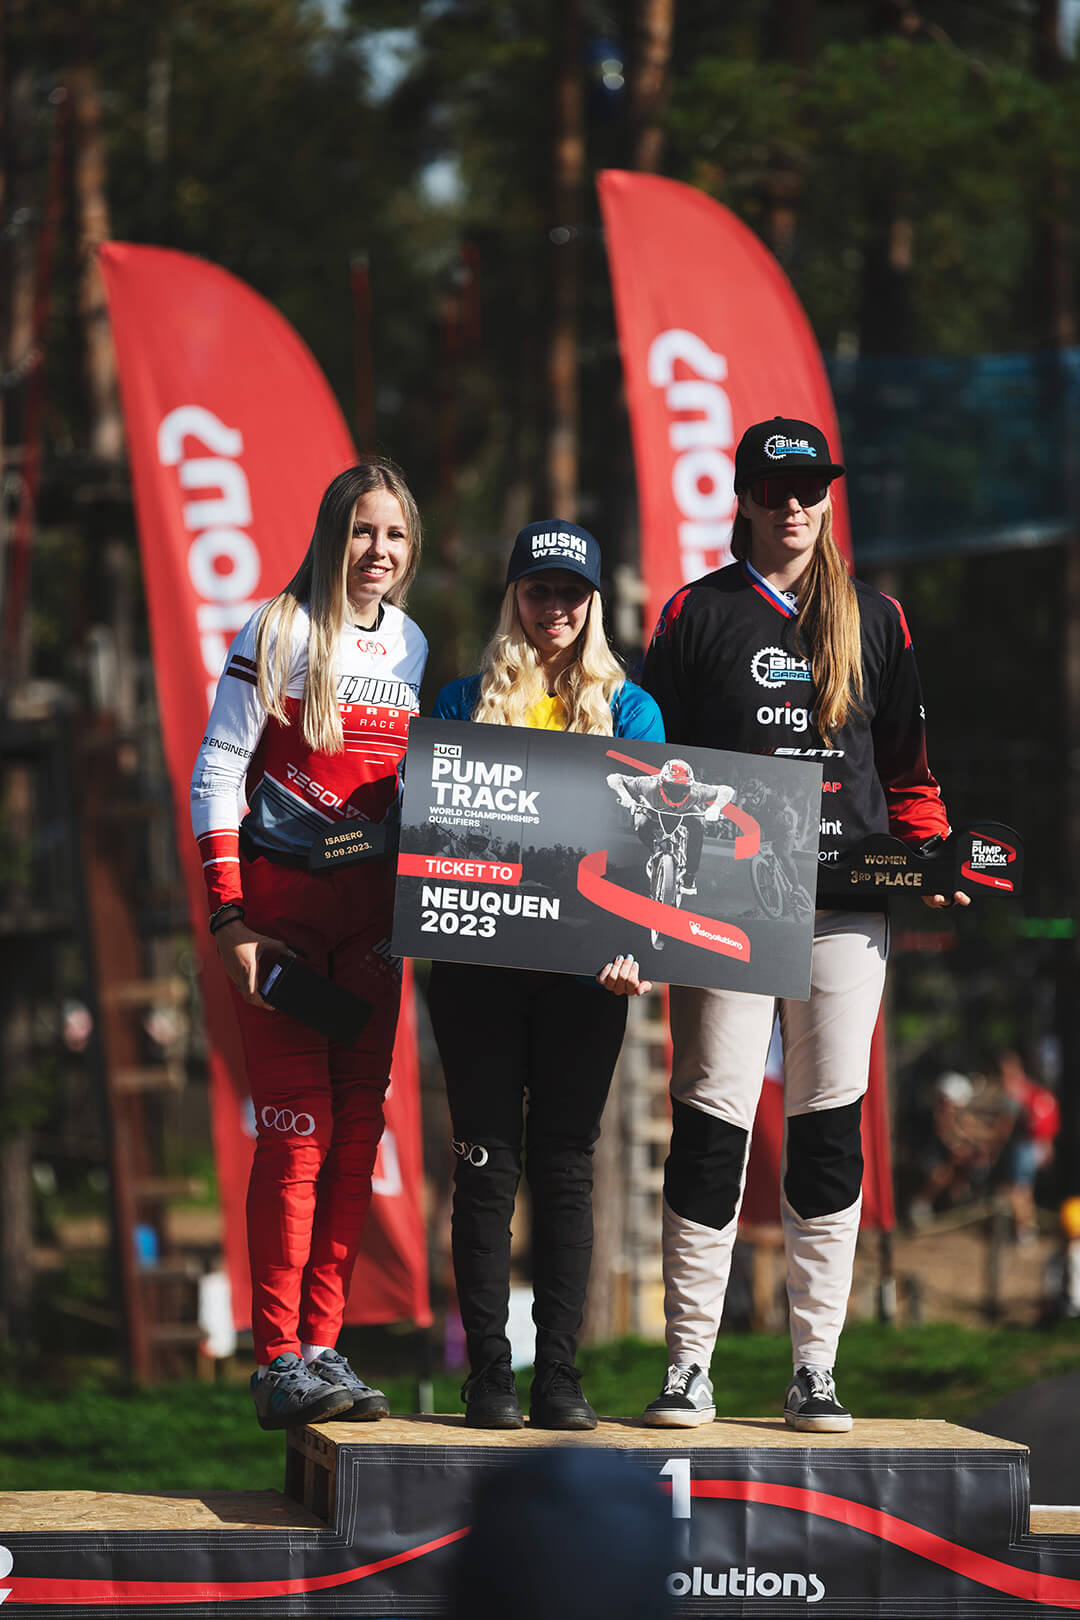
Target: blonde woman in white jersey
{"type": "Point", "coordinates": [311, 721]}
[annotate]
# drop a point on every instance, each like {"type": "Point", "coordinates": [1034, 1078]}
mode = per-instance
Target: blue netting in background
{"type": "Point", "coordinates": [959, 454]}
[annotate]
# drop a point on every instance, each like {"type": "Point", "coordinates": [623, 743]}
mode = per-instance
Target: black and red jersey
{"type": "Point", "coordinates": [725, 669]}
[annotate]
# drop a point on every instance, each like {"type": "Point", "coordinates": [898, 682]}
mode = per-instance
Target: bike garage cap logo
{"type": "Point", "coordinates": [782, 445]}
{"type": "Point", "coordinates": [777, 447]}
{"type": "Point", "coordinates": [553, 545]}
{"type": "Point", "coordinates": [773, 667]}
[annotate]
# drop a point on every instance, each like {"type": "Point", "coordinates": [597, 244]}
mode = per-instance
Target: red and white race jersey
{"type": "Point", "coordinates": [293, 793]}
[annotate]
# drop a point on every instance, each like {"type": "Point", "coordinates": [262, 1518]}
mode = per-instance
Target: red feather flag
{"type": "Point", "coordinates": [713, 338]}
{"type": "Point", "coordinates": [233, 435]}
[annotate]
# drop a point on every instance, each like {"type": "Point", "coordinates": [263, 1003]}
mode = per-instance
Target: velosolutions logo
{"type": "Point", "coordinates": [744, 1583]}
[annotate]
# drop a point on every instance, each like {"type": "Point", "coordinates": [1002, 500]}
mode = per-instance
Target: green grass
{"type": "Point", "coordinates": [101, 1436]}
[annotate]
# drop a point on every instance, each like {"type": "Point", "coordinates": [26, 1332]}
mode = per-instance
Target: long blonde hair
{"type": "Point", "coordinates": [512, 677]}
{"type": "Point", "coordinates": [827, 624]}
{"type": "Point", "coordinates": [321, 583]}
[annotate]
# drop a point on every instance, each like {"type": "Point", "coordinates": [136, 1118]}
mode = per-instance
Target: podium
{"type": "Point", "coordinates": [893, 1519]}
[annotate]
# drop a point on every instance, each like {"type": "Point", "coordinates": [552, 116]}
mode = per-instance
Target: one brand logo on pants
{"type": "Point", "coordinates": [283, 1119]}
{"type": "Point", "coordinates": [471, 1152]}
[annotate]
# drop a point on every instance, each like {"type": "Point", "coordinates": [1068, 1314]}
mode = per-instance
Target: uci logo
{"type": "Point", "coordinates": [283, 1119]}
{"type": "Point", "coordinates": [772, 666]}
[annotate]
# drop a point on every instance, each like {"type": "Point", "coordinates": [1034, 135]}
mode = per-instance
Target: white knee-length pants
{"type": "Point", "coordinates": [720, 1044]}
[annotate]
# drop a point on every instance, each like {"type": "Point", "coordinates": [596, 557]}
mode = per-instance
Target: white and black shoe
{"type": "Point", "coordinates": [811, 1403]}
{"type": "Point", "coordinates": [685, 1400]}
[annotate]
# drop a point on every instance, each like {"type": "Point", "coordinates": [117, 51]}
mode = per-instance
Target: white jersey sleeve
{"type": "Point", "coordinates": [236, 724]}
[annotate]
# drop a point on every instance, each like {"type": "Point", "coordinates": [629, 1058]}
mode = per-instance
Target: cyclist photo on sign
{"type": "Point", "coordinates": [774, 875]}
{"type": "Point", "coordinates": [669, 812]}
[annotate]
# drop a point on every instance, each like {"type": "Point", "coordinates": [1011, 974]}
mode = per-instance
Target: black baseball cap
{"type": "Point", "coordinates": [552, 544]}
{"type": "Point", "coordinates": [782, 445]}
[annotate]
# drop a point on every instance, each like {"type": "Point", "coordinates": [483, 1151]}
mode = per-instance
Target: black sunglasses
{"type": "Point", "coordinates": [807, 488]}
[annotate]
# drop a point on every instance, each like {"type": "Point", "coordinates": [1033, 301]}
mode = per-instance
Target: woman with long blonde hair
{"type": "Point", "coordinates": [784, 653]}
{"type": "Point", "coordinates": [506, 1035]}
{"type": "Point", "coordinates": [310, 720]}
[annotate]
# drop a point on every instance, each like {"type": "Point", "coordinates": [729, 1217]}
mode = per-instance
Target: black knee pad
{"type": "Point", "coordinates": [704, 1168]}
{"type": "Point", "coordinates": [824, 1160]}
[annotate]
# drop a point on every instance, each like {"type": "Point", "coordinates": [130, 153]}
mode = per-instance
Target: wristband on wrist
{"type": "Point", "coordinates": [230, 912]}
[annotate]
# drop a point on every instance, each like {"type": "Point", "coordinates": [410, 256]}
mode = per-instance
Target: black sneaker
{"type": "Point", "coordinates": [490, 1397]}
{"type": "Point", "coordinates": [685, 1400]}
{"type": "Point", "coordinates": [288, 1394]}
{"type": "Point", "coordinates": [556, 1401]}
{"type": "Point", "coordinates": [811, 1403]}
{"type": "Point", "coordinates": [368, 1404]}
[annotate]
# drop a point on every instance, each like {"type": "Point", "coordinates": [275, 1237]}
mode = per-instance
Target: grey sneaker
{"type": "Point", "coordinates": [288, 1394]}
{"type": "Point", "coordinates": [685, 1400]}
{"type": "Point", "coordinates": [367, 1404]}
{"type": "Point", "coordinates": [811, 1403]}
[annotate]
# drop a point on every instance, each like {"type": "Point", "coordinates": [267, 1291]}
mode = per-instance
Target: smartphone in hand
{"type": "Point", "coordinates": [291, 986]}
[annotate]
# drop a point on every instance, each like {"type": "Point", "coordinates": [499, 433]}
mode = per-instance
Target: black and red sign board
{"type": "Point", "coordinates": [985, 859]}
{"type": "Point", "coordinates": [556, 851]}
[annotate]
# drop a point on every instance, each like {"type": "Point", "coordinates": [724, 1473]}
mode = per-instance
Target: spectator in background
{"type": "Point", "coordinates": [1030, 1121]}
{"type": "Point", "coordinates": [957, 1151]}
{"type": "Point", "coordinates": [567, 1534]}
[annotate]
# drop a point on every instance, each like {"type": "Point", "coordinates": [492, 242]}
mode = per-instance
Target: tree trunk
{"type": "Point", "coordinates": [16, 1054]}
{"type": "Point", "coordinates": [788, 38]}
{"type": "Point", "coordinates": [92, 211]}
{"type": "Point", "coordinates": [648, 83]}
{"type": "Point", "coordinates": [568, 168]}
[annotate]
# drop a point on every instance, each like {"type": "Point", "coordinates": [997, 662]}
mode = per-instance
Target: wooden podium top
{"type": "Point", "coordinates": [225, 1511]}
{"type": "Point", "coordinates": [630, 1434]}
{"type": "Point", "coordinates": [152, 1510]}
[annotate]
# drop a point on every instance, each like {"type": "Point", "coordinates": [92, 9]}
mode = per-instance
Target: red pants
{"type": "Point", "coordinates": [318, 1106]}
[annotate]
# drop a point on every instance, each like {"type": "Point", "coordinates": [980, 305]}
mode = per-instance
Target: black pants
{"type": "Point", "coordinates": [505, 1034]}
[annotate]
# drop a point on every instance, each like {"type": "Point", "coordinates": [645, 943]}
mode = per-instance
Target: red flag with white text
{"type": "Point", "coordinates": [233, 434]}
{"type": "Point", "coordinates": [713, 338]}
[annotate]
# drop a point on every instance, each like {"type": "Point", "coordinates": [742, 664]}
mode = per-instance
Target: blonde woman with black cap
{"type": "Point", "coordinates": [505, 1033]}
{"type": "Point", "coordinates": [783, 653]}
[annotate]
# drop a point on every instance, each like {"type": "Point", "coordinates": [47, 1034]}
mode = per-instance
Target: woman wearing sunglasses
{"type": "Point", "coordinates": [505, 1032]}
{"type": "Point", "coordinates": [783, 653]}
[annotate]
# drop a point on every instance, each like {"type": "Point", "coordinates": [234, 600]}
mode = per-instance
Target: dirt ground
{"type": "Point", "coordinates": [945, 1274]}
